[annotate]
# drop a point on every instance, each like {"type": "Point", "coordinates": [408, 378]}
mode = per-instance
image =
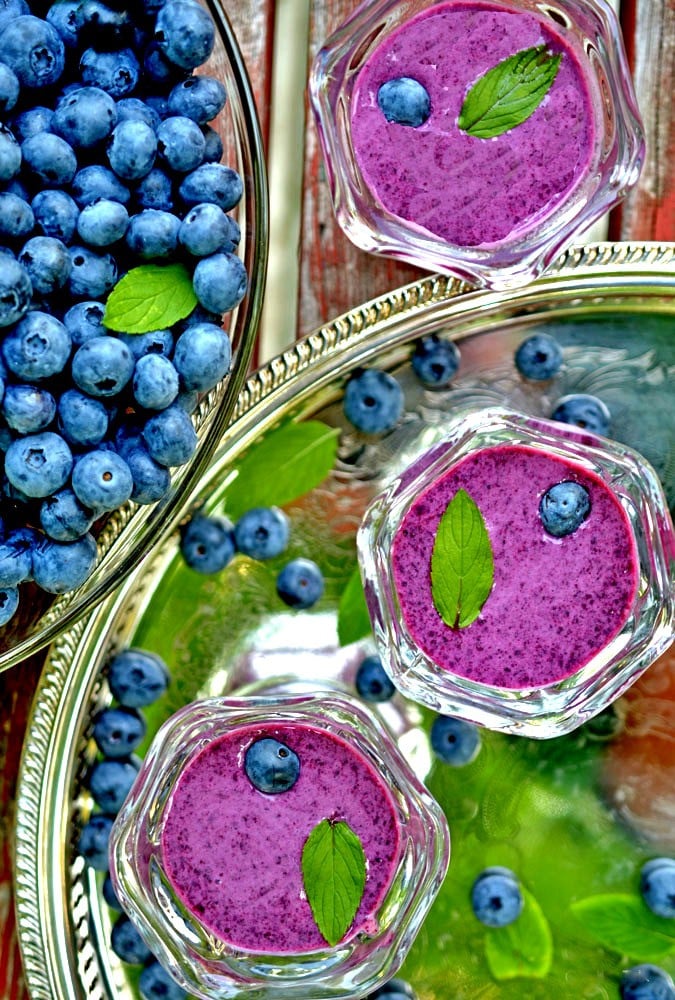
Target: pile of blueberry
{"type": "Point", "coordinates": [108, 167]}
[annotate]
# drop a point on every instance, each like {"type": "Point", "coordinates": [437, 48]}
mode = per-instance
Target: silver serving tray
{"type": "Point", "coordinates": [63, 925]}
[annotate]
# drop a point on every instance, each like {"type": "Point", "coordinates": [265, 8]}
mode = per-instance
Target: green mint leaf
{"type": "Point", "coordinates": [624, 923]}
{"type": "Point", "coordinates": [285, 465]}
{"type": "Point", "coordinates": [508, 93]}
{"type": "Point", "coordinates": [334, 876]}
{"type": "Point", "coordinates": [353, 619]}
{"type": "Point", "coordinates": [462, 565]}
{"type": "Point", "coordinates": [523, 948]}
{"type": "Point", "coordinates": [150, 297]}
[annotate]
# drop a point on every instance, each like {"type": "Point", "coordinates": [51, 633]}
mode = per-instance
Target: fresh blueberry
{"type": "Point", "coordinates": [207, 543]}
{"type": "Point", "coordinates": [153, 234]}
{"type": "Point", "coordinates": [271, 766]}
{"type": "Point", "coordinates": [584, 411]}
{"type": "Point", "coordinates": [155, 190]}
{"type": "Point", "coordinates": [213, 145]}
{"type": "Point", "coordinates": [62, 566]}
{"type": "Point", "coordinates": [185, 33]}
{"type": "Point", "coordinates": [132, 150]}
{"type": "Point", "coordinates": [118, 732]}
{"type": "Point", "coordinates": [93, 275]}
{"type": "Point", "coordinates": [108, 889]}
{"type": "Point", "coordinates": [180, 143]}
{"type": "Point", "coordinates": [33, 50]}
{"type": "Point", "coordinates": [151, 480]}
{"type": "Point", "coordinates": [16, 561]}
{"type": "Point", "coordinates": [155, 983]}
{"type": "Point", "coordinates": [300, 584]}
{"type": "Point", "coordinates": [28, 408]}
{"type": "Point", "coordinates": [200, 98]}
{"type": "Point", "coordinates": [104, 26]}
{"type": "Point", "coordinates": [49, 159]}
{"type": "Point", "coordinates": [96, 181]}
{"type": "Point", "coordinates": [63, 517]}
{"type": "Point", "coordinates": [262, 532]}
{"type": "Point", "coordinates": [10, 153]}
{"type": "Point", "coordinates": [170, 436]}
{"type": "Point", "coordinates": [496, 898]}
{"type": "Point", "coordinates": [9, 88]}
{"type": "Point", "coordinates": [32, 121]}
{"type": "Point", "coordinates": [38, 464]}
{"type": "Point", "coordinates": [404, 101]}
{"type": "Point", "coordinates": [102, 480]}
{"type": "Point", "coordinates": [93, 842]}
{"type": "Point", "coordinates": [102, 366]}
{"type": "Point", "coordinates": [220, 282]}
{"type": "Point", "coordinates": [55, 214]}
{"type": "Point", "coordinates": [128, 944]}
{"type": "Point", "coordinates": [134, 109]}
{"type": "Point", "coordinates": [116, 72]}
{"type": "Point", "coordinates": [82, 420]}
{"type": "Point", "coordinates": [157, 68]}
{"type": "Point", "coordinates": [15, 290]}
{"type": "Point", "coordinates": [564, 507]}
{"type": "Point", "coordinates": [110, 782]}
{"type": "Point", "coordinates": [155, 382]}
{"type": "Point", "coordinates": [38, 347]}
{"type": "Point", "coordinates": [153, 342]}
{"type": "Point", "coordinates": [214, 183]}
{"type": "Point", "coordinates": [9, 603]}
{"type": "Point", "coordinates": [102, 223]}
{"type": "Point", "coordinates": [62, 17]}
{"type": "Point", "coordinates": [657, 885]}
{"type": "Point", "coordinates": [539, 357]}
{"type": "Point", "coordinates": [373, 401]}
{"type": "Point", "coordinates": [372, 681]}
{"type": "Point", "coordinates": [47, 263]}
{"type": "Point", "coordinates": [435, 361]}
{"type": "Point", "coordinates": [17, 217]}
{"type": "Point", "coordinates": [85, 117]}
{"type": "Point", "coordinates": [84, 321]}
{"type": "Point", "coordinates": [646, 982]}
{"type": "Point", "coordinates": [205, 230]}
{"type": "Point", "coordinates": [137, 678]}
{"type": "Point", "coordinates": [454, 741]}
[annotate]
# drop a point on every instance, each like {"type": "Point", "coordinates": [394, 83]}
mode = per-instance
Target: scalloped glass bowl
{"type": "Point", "coordinates": [554, 706]}
{"type": "Point", "coordinates": [213, 968]}
{"type": "Point", "coordinates": [588, 28]}
{"type": "Point", "coordinates": [130, 532]}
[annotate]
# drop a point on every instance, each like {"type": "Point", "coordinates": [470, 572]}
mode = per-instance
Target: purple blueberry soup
{"type": "Point", "coordinates": [557, 593]}
{"type": "Point", "coordinates": [233, 853]}
{"type": "Point", "coordinates": [472, 191]}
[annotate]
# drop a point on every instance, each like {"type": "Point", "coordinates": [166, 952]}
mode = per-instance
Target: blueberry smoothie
{"type": "Point", "coordinates": [558, 595]}
{"type": "Point", "coordinates": [233, 852]}
{"type": "Point", "coordinates": [467, 190]}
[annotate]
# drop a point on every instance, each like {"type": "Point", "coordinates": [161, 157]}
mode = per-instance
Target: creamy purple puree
{"type": "Point", "coordinates": [554, 603]}
{"type": "Point", "coordinates": [233, 853]}
{"type": "Point", "coordinates": [471, 191]}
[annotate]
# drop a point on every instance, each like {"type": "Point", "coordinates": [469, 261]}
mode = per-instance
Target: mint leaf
{"type": "Point", "coordinates": [462, 566]}
{"type": "Point", "coordinates": [285, 465]}
{"type": "Point", "coordinates": [353, 618]}
{"type": "Point", "coordinates": [508, 93]}
{"type": "Point", "coordinates": [150, 297]}
{"type": "Point", "coordinates": [523, 948]}
{"type": "Point", "coordinates": [334, 876]}
{"type": "Point", "coordinates": [624, 923]}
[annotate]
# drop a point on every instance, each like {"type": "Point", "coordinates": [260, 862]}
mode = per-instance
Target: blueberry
{"type": "Point", "coordinates": [85, 321]}
{"type": "Point", "coordinates": [62, 17]}
{"type": "Point", "coordinates": [117, 732]}
{"type": "Point", "coordinates": [155, 190]}
{"type": "Point", "coordinates": [657, 885]}
{"type": "Point", "coordinates": [10, 153]}
{"type": "Point", "coordinates": [9, 603]}
{"type": "Point", "coordinates": [110, 782]}
{"type": "Point", "coordinates": [38, 347]}
{"type": "Point", "coordinates": [9, 88]}
{"type": "Point", "coordinates": [102, 26]}
{"type": "Point", "coordinates": [33, 49]}
{"type": "Point", "coordinates": [85, 116]}
{"type": "Point", "coordinates": [108, 889]}
{"type": "Point", "coordinates": [16, 562]}
{"type": "Point", "coordinates": [202, 356]}
{"type": "Point", "coordinates": [220, 282]}
{"type": "Point", "coordinates": [435, 361]}
{"type": "Point", "coordinates": [539, 357]}
{"type": "Point", "coordinates": [185, 33]}
{"type": "Point", "coordinates": [93, 841]}
{"type": "Point", "coordinates": [102, 480]}
{"type": "Point", "coordinates": [583, 410]}
{"type": "Point", "coordinates": [496, 898]}
{"type": "Point", "coordinates": [15, 290]}
{"type": "Point", "coordinates": [213, 145]}
{"type": "Point", "coordinates": [155, 382]}
{"type": "Point", "coordinates": [102, 223]}
{"type": "Point", "coordinates": [82, 420]}
{"type": "Point", "coordinates": [151, 480]}
{"type": "Point", "coordinates": [300, 583]}
{"type": "Point", "coordinates": [93, 275]}
{"type": "Point", "coordinates": [115, 72]}
{"type": "Point", "coordinates": [38, 464]}
{"type": "Point", "coordinates": [47, 263]}
{"type": "Point", "coordinates": [564, 507]}
{"type": "Point", "coordinates": [372, 682]}
{"type": "Point", "coordinates": [373, 401]}
{"type": "Point", "coordinates": [49, 159]}
{"type": "Point", "coordinates": [31, 121]}
{"type": "Point", "coordinates": [157, 67]}
{"type": "Point", "coordinates": [137, 678]}
{"type": "Point", "coordinates": [404, 101]}
{"type": "Point", "coordinates": [28, 408]}
{"type": "Point", "coordinates": [180, 143]}
{"type": "Point", "coordinates": [214, 183]}
{"type": "Point", "coordinates": [62, 566]}
{"type": "Point", "coordinates": [63, 517]}
{"type": "Point", "coordinates": [205, 230]}
{"type": "Point", "coordinates": [17, 217]}
{"type": "Point", "coordinates": [155, 983]}
{"type": "Point", "coordinates": [132, 150]}
{"type": "Point", "coordinates": [170, 436]}
{"type": "Point", "coordinates": [200, 98]}
{"type": "Point", "coordinates": [153, 234]}
{"type": "Point", "coordinates": [94, 182]}
{"type": "Point", "coordinates": [133, 109]}
{"type": "Point", "coordinates": [262, 532]}
{"type": "Point", "coordinates": [271, 766]}
{"type": "Point", "coordinates": [102, 366]}
{"type": "Point", "coordinates": [454, 741]}
{"type": "Point", "coordinates": [55, 214]}
{"type": "Point", "coordinates": [646, 982]}
{"type": "Point", "coordinates": [127, 943]}
{"type": "Point", "coordinates": [207, 543]}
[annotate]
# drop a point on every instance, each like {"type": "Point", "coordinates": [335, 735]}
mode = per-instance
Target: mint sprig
{"type": "Point", "coordinates": [624, 923]}
{"type": "Point", "coordinates": [462, 564]}
{"type": "Point", "coordinates": [523, 948]}
{"type": "Point", "coordinates": [509, 93]}
{"type": "Point", "coordinates": [150, 297]}
{"type": "Point", "coordinates": [334, 876]}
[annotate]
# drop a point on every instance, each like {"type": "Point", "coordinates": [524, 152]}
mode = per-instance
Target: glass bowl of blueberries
{"type": "Point", "coordinates": [133, 243]}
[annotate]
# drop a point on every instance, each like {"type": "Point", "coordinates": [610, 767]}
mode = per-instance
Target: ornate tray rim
{"type": "Point", "coordinates": [55, 934]}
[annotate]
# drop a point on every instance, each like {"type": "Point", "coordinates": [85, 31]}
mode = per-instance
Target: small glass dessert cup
{"type": "Point", "coordinates": [420, 174]}
{"type": "Point", "coordinates": [520, 575]}
{"type": "Point", "coordinates": [216, 872]}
